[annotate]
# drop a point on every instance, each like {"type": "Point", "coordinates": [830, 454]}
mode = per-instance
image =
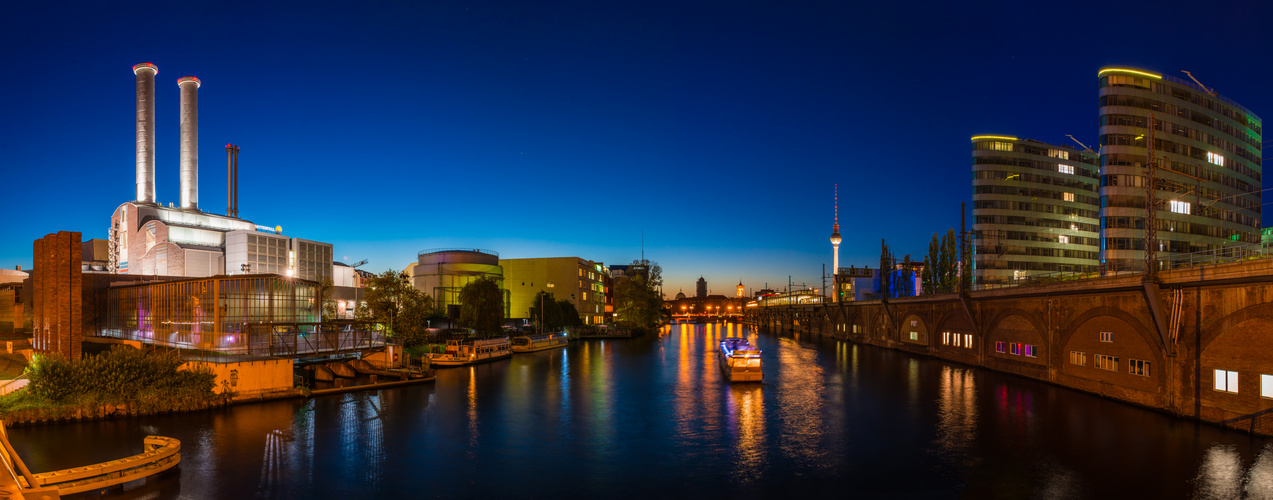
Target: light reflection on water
{"type": "Point", "coordinates": [653, 417]}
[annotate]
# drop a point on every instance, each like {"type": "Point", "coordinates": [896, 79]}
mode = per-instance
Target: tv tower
{"type": "Point", "coordinates": [835, 234]}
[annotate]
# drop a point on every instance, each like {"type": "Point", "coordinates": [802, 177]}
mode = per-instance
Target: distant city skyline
{"type": "Point", "coordinates": [548, 131]}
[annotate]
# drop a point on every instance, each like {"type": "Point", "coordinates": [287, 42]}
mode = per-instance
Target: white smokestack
{"type": "Point", "coordinates": [145, 131]}
{"type": "Point", "coordinates": [189, 86]}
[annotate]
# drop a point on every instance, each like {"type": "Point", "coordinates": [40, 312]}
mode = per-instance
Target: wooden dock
{"type": "Point", "coordinates": [161, 453]}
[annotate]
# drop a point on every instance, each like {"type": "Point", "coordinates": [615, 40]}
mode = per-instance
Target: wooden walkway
{"type": "Point", "coordinates": [17, 481]}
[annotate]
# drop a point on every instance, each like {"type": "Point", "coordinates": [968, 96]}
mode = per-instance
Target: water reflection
{"type": "Point", "coordinates": [799, 390]}
{"type": "Point", "coordinates": [957, 413]}
{"type": "Point", "coordinates": [746, 403]}
{"type": "Point", "coordinates": [1220, 475]}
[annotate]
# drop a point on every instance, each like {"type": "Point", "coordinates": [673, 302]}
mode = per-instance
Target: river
{"type": "Point", "coordinates": [651, 418]}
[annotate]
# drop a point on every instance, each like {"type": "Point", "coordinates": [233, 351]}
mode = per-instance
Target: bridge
{"type": "Point", "coordinates": [1196, 342]}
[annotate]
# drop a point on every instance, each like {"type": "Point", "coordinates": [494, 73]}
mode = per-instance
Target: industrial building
{"type": "Point", "coordinates": [1035, 208]}
{"type": "Point", "coordinates": [147, 238]}
{"type": "Point", "coordinates": [580, 281]}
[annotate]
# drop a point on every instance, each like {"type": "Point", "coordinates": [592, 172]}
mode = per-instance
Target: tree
{"type": "Point", "coordinates": [325, 288]}
{"type": "Point", "coordinates": [928, 277]}
{"type": "Point", "coordinates": [482, 307]}
{"type": "Point", "coordinates": [886, 284]}
{"type": "Point", "coordinates": [392, 301]}
{"type": "Point", "coordinates": [638, 297]}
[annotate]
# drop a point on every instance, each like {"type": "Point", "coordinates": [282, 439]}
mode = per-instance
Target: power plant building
{"type": "Point", "coordinates": [147, 238]}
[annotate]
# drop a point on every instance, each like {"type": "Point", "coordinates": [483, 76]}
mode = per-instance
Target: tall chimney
{"type": "Point", "coordinates": [189, 142]}
{"type": "Point", "coordinates": [232, 180]}
{"type": "Point", "coordinates": [145, 131]}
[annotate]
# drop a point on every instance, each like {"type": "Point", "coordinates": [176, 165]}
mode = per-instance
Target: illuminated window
{"type": "Point", "coordinates": [1180, 207]}
{"type": "Point", "coordinates": [1215, 158]}
{"type": "Point", "coordinates": [1138, 367]}
{"type": "Point", "coordinates": [1226, 381]}
{"type": "Point", "coordinates": [1107, 336]}
{"type": "Point", "coordinates": [1078, 358]}
{"type": "Point", "coordinates": [1266, 386]}
{"type": "Point", "coordinates": [1065, 169]}
{"type": "Point", "coordinates": [1057, 153]}
{"type": "Point", "coordinates": [1068, 196]}
{"type": "Point", "coordinates": [1030, 351]}
{"type": "Point", "coordinates": [1062, 239]}
{"type": "Point", "coordinates": [1105, 362]}
{"type": "Point", "coordinates": [914, 335]}
{"type": "Point", "coordinates": [1014, 348]}
{"type": "Point", "coordinates": [999, 347]}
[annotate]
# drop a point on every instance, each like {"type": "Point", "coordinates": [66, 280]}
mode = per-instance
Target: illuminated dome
{"type": "Point", "coordinates": [680, 295]}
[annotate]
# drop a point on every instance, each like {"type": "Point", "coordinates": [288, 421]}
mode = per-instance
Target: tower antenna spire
{"type": "Point", "coordinates": [837, 205]}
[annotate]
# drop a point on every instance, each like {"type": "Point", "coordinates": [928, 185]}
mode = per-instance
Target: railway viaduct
{"type": "Point", "coordinates": [1196, 343]}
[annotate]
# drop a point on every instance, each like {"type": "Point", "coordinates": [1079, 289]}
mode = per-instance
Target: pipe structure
{"type": "Point", "coordinates": [145, 73]}
{"type": "Point", "coordinates": [232, 180]}
{"type": "Point", "coordinates": [189, 86]}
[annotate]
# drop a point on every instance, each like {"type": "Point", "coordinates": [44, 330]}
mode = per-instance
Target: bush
{"type": "Point", "coordinates": [143, 381]}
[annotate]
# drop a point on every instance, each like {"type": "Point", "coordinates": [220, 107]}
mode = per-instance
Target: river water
{"type": "Point", "coordinates": [651, 418]}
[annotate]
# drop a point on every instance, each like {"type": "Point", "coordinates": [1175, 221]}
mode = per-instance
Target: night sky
{"type": "Point", "coordinates": [544, 129]}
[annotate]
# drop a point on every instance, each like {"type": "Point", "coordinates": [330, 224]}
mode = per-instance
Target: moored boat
{"type": "Point", "coordinates": [532, 343]}
{"type": "Point", "coordinates": [468, 352]}
{"type": "Point", "coordinates": [739, 360]}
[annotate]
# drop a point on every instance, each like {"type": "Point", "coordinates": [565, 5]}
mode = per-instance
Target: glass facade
{"type": "Point", "coordinates": [1208, 152]}
{"type": "Point", "coordinates": [228, 314]}
{"type": "Point", "coordinates": [1035, 209]}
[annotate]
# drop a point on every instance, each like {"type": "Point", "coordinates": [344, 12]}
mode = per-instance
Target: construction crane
{"type": "Point", "coordinates": [359, 263]}
{"type": "Point", "coordinates": [1195, 80]}
{"type": "Point", "coordinates": [1085, 148]}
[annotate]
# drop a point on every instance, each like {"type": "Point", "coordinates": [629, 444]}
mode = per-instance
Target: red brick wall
{"type": "Point", "coordinates": [58, 281]}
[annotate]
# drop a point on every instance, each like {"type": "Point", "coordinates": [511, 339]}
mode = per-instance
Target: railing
{"type": "Point", "coordinates": [1223, 255]}
{"type": "Point", "coordinates": [1226, 100]}
{"type": "Point", "coordinates": [160, 454]}
{"type": "Point", "coordinates": [478, 250]}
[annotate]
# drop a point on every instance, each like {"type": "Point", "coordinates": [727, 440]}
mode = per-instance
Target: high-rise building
{"type": "Point", "coordinates": [741, 291]}
{"type": "Point", "coordinates": [1035, 208]}
{"type": "Point", "coordinates": [700, 288]}
{"type": "Point", "coordinates": [835, 240]}
{"type": "Point", "coordinates": [1208, 153]}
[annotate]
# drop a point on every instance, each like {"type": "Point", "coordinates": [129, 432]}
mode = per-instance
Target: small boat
{"type": "Point", "coordinates": [468, 352]}
{"type": "Point", "coordinates": [739, 360]}
{"type": "Point", "coordinates": [532, 343]}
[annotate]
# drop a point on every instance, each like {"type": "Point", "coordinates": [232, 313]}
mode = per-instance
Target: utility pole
{"type": "Point", "coordinates": [963, 240]}
{"type": "Point", "coordinates": [1151, 209]}
{"type": "Point", "coordinates": [824, 279]}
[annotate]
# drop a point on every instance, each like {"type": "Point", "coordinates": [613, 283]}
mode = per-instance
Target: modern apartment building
{"type": "Point", "coordinates": [1208, 151]}
{"type": "Point", "coordinates": [1035, 208]}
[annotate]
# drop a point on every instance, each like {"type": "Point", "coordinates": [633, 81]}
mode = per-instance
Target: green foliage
{"type": "Point", "coordinates": [552, 315]}
{"type": "Point", "coordinates": [325, 288]}
{"type": "Point", "coordinates": [392, 301]}
{"type": "Point", "coordinates": [885, 285]}
{"type": "Point", "coordinates": [637, 297]}
{"type": "Point", "coordinates": [482, 307]}
{"type": "Point", "coordinates": [146, 381]}
{"type": "Point", "coordinates": [941, 267]}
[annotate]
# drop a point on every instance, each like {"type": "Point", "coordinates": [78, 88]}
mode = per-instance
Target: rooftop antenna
{"type": "Point", "coordinates": [642, 245]}
{"type": "Point", "coordinates": [1195, 80]}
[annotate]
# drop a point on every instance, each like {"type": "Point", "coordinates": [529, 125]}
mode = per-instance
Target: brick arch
{"type": "Point", "coordinates": [949, 317]}
{"type": "Point", "coordinates": [1149, 336]}
{"type": "Point", "coordinates": [1018, 327]}
{"type": "Point", "coordinates": [921, 327]}
{"type": "Point", "coordinates": [1213, 330]}
{"type": "Point", "coordinates": [1039, 325]}
{"type": "Point", "coordinates": [879, 325]}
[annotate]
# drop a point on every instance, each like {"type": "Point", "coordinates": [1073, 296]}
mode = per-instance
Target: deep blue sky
{"type": "Point", "coordinates": [543, 129]}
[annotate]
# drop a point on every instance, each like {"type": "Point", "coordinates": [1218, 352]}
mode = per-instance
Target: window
{"type": "Point", "coordinates": [1078, 358]}
{"type": "Point", "coordinates": [1105, 362]}
{"type": "Point", "coordinates": [1138, 367]}
{"type": "Point", "coordinates": [1266, 386]}
{"type": "Point", "coordinates": [857, 328]}
{"type": "Point", "coordinates": [999, 347]}
{"type": "Point", "coordinates": [1067, 196]}
{"type": "Point", "coordinates": [914, 335]}
{"type": "Point", "coordinates": [1057, 153]}
{"type": "Point", "coordinates": [1215, 158]}
{"type": "Point", "coordinates": [1015, 348]}
{"type": "Point", "coordinates": [1029, 351]}
{"type": "Point", "coordinates": [1180, 207]}
{"type": "Point", "coordinates": [945, 338]}
{"type": "Point", "coordinates": [1062, 239]}
{"type": "Point", "coordinates": [1107, 336]}
{"type": "Point", "coordinates": [1226, 381]}
{"type": "Point", "coordinates": [1065, 169]}
{"type": "Point", "coordinates": [967, 340]}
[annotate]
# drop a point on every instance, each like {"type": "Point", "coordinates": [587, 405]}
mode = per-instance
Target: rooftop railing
{"type": "Point", "coordinates": [478, 250]}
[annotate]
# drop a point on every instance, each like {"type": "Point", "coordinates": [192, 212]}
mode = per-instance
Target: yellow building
{"type": "Point", "coordinates": [574, 279]}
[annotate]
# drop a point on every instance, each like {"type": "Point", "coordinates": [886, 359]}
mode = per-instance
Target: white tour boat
{"type": "Point", "coordinates": [739, 360]}
{"type": "Point", "coordinates": [468, 352]}
{"type": "Point", "coordinates": [527, 343]}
